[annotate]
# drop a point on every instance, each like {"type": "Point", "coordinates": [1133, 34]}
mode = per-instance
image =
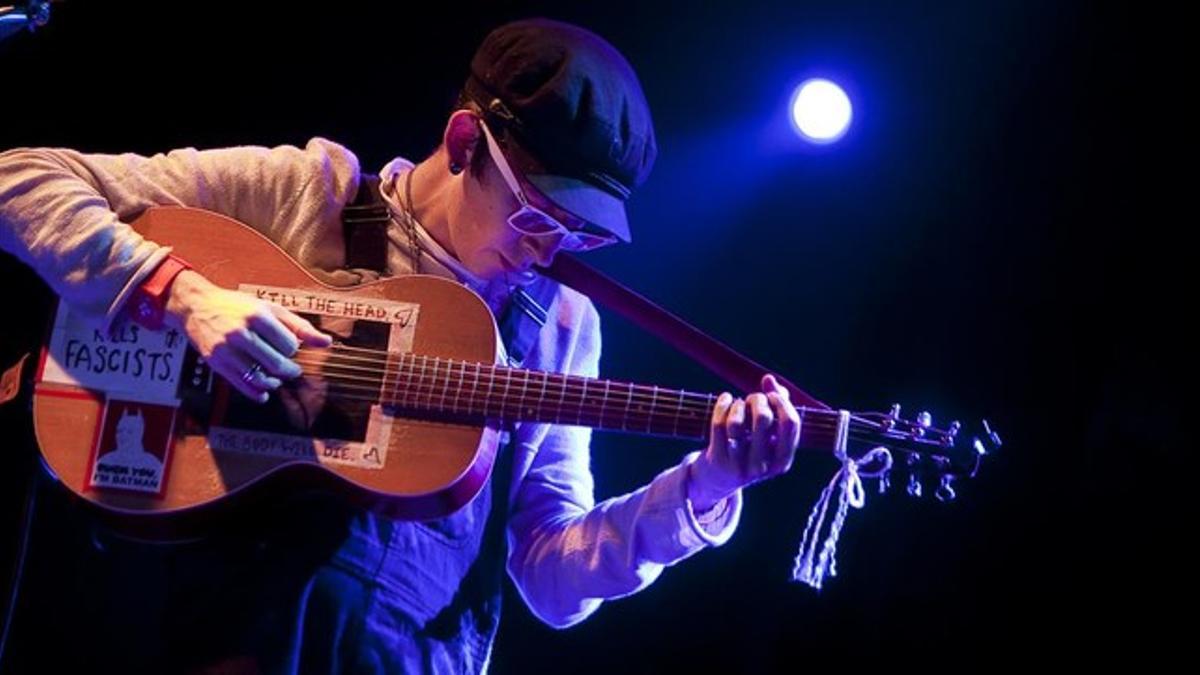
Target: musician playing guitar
{"type": "Point", "coordinates": [551, 136]}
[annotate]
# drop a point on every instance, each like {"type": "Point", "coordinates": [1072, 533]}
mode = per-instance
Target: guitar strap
{"type": "Point", "coordinates": [721, 359]}
{"type": "Point", "coordinates": [364, 225]}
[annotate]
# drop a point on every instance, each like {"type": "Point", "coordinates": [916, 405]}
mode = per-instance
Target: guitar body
{"type": "Point", "coordinates": [95, 395]}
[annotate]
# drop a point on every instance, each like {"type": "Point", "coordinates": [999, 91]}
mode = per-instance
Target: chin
{"type": "Point", "coordinates": [495, 274]}
{"type": "Point", "coordinates": [503, 268]}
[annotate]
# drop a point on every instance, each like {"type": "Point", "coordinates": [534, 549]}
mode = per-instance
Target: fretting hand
{"type": "Point", "coordinates": [744, 451]}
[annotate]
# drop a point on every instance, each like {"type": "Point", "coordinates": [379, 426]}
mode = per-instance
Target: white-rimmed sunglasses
{"type": "Point", "coordinates": [533, 221]}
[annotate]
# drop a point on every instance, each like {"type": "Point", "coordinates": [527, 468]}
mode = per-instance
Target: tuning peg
{"type": "Point", "coordinates": [914, 486]}
{"type": "Point", "coordinates": [955, 426]}
{"type": "Point", "coordinates": [945, 491]}
{"type": "Point", "coordinates": [893, 416]}
{"type": "Point", "coordinates": [923, 421]}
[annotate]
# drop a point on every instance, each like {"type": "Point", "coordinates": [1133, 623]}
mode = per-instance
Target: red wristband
{"type": "Point", "coordinates": [148, 305]}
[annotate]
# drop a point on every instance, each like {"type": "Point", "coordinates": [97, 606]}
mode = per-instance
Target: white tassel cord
{"type": "Point", "coordinates": [812, 568]}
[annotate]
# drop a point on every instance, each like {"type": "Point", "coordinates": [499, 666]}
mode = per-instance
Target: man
{"type": "Point", "coordinates": [552, 135]}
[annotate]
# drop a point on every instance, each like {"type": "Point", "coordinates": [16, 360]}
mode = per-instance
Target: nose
{"type": "Point", "coordinates": [543, 249]}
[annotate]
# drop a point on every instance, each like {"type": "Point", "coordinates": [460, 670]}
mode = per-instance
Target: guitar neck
{"type": "Point", "coordinates": [475, 392]}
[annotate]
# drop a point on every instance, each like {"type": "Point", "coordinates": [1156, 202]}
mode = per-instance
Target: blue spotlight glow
{"type": "Point", "coordinates": [821, 111]}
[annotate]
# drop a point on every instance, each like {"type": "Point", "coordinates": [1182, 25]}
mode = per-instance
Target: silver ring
{"type": "Point", "coordinates": [253, 370]}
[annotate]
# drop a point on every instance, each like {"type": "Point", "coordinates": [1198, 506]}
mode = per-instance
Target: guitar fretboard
{"type": "Point", "coordinates": [477, 393]}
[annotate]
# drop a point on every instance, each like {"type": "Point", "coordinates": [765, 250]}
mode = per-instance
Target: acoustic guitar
{"type": "Point", "coordinates": [403, 414]}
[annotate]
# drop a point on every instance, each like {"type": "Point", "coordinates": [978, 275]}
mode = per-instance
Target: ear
{"type": "Point", "coordinates": [462, 137]}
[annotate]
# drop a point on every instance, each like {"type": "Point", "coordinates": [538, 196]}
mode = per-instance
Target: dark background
{"type": "Point", "coordinates": [985, 242]}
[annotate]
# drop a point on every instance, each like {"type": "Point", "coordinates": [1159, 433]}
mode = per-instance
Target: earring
{"type": "Point", "coordinates": [455, 168]}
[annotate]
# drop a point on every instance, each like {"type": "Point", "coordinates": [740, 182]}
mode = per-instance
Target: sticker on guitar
{"type": "Point", "coordinates": [132, 447]}
{"type": "Point", "coordinates": [303, 420]}
{"type": "Point", "coordinates": [129, 361]}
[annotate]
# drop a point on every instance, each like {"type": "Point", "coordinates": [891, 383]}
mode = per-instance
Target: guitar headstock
{"type": "Point", "coordinates": [945, 454]}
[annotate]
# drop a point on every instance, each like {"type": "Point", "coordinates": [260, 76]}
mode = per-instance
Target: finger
{"type": "Point", "coordinates": [257, 378]}
{"type": "Point", "coordinates": [268, 324]}
{"type": "Point", "coordinates": [762, 421]}
{"type": "Point", "coordinates": [770, 384]}
{"type": "Point", "coordinates": [262, 382]}
{"type": "Point", "coordinates": [735, 426]}
{"type": "Point", "coordinates": [256, 350]}
{"type": "Point", "coordinates": [718, 437]}
{"type": "Point", "coordinates": [787, 433]}
{"type": "Point", "coordinates": [302, 328]}
{"type": "Point", "coordinates": [234, 368]}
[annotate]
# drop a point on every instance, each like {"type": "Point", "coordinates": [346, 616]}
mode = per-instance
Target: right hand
{"type": "Point", "coordinates": [233, 332]}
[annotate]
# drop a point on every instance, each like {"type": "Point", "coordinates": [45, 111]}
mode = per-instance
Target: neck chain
{"type": "Point", "coordinates": [410, 223]}
{"type": "Point", "coordinates": [496, 296]}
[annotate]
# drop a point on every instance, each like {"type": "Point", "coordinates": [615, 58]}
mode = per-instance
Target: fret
{"type": "Point", "coordinates": [432, 380]}
{"type": "Point", "coordinates": [504, 396]}
{"type": "Point", "coordinates": [521, 403]}
{"type": "Point", "coordinates": [410, 386]}
{"type": "Point", "coordinates": [562, 399]}
{"type": "Point", "coordinates": [391, 392]}
{"type": "Point", "coordinates": [418, 380]}
{"type": "Point", "coordinates": [653, 407]}
{"type": "Point", "coordinates": [604, 402]}
{"type": "Point", "coordinates": [401, 378]}
{"type": "Point", "coordinates": [445, 387]}
{"type": "Point", "coordinates": [628, 402]}
{"type": "Point", "coordinates": [422, 387]}
{"type": "Point", "coordinates": [462, 372]}
{"type": "Point", "coordinates": [582, 401]}
{"type": "Point", "coordinates": [474, 390]}
{"type": "Point", "coordinates": [491, 392]}
{"type": "Point", "coordinates": [678, 414]}
{"type": "Point", "coordinates": [542, 396]}
{"type": "Point", "coordinates": [408, 380]}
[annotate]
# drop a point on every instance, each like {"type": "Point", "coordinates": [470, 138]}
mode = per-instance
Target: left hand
{"type": "Point", "coordinates": [738, 456]}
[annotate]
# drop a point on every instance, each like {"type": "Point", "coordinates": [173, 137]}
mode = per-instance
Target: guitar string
{"type": "Point", "coordinates": [503, 374]}
{"type": "Point", "coordinates": [667, 402]}
{"type": "Point", "coordinates": [642, 394]}
{"type": "Point", "coordinates": [606, 417]}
